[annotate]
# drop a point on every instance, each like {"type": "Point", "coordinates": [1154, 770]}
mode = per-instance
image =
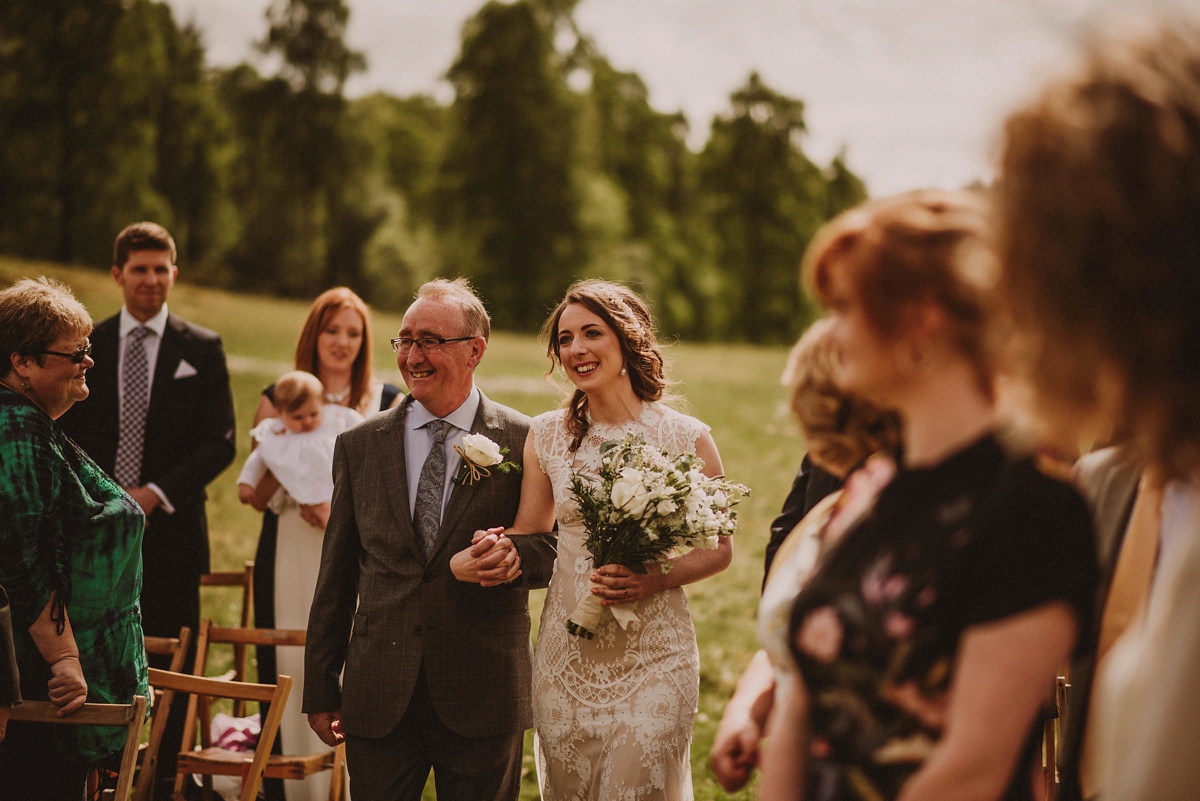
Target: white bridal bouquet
{"type": "Point", "coordinates": [643, 504]}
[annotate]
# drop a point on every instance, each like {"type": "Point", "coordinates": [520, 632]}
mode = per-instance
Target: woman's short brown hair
{"type": "Point", "coordinates": [1099, 207]}
{"type": "Point", "coordinates": [34, 314]}
{"type": "Point", "coordinates": [629, 318]}
{"type": "Point", "coordinates": [295, 389]}
{"type": "Point", "coordinates": [928, 245]}
{"type": "Point", "coordinates": [327, 304]}
{"type": "Point", "coordinates": [840, 430]}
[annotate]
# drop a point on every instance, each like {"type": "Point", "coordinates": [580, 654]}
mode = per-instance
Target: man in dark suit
{"type": "Point", "coordinates": [159, 419]}
{"type": "Point", "coordinates": [432, 630]}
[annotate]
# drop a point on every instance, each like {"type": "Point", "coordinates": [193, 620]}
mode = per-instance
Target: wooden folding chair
{"type": "Point", "coordinates": [279, 766]}
{"type": "Point", "coordinates": [176, 648]}
{"type": "Point", "coordinates": [210, 760]}
{"type": "Point", "coordinates": [127, 716]}
{"type": "Point", "coordinates": [243, 578]}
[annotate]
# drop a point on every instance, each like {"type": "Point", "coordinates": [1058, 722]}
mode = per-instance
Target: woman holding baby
{"type": "Point", "coordinates": [297, 421]}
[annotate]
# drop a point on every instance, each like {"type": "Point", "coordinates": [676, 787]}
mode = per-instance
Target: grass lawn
{"type": "Point", "coordinates": [735, 389]}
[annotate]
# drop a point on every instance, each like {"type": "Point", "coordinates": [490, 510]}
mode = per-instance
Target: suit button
{"type": "Point", "coordinates": [416, 629]}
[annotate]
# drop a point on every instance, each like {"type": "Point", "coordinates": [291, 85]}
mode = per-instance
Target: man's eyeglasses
{"type": "Point", "coordinates": [426, 344]}
{"type": "Point", "coordinates": [76, 358]}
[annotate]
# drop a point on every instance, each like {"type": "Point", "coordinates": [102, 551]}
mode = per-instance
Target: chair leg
{"type": "Point", "coordinates": [337, 783]}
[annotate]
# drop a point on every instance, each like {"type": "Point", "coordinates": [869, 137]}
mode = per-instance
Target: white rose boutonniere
{"type": "Point", "coordinates": [479, 454]}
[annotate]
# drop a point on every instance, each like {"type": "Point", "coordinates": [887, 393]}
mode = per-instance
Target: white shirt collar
{"type": "Point", "coordinates": [157, 323]}
{"type": "Point", "coordinates": [462, 418]}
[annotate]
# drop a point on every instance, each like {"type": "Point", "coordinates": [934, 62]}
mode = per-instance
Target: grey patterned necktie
{"type": "Point", "coordinates": [135, 384]}
{"type": "Point", "coordinates": [427, 512]}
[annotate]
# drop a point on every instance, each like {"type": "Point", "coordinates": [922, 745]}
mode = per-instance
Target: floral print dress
{"type": "Point", "coordinates": [978, 538]}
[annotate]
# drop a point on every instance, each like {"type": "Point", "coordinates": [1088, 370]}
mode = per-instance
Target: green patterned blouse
{"type": "Point", "coordinates": [66, 527]}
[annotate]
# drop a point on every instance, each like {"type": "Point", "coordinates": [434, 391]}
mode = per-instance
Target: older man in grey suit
{"type": "Point", "coordinates": [431, 628]}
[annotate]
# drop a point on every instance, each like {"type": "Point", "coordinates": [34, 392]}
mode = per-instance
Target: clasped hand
{"type": "Point", "coordinates": [491, 560]}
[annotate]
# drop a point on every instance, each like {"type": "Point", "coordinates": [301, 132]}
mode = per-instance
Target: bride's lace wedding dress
{"type": "Point", "coordinates": [613, 714]}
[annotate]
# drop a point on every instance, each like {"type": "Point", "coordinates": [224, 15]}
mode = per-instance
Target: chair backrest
{"type": "Point", "coordinates": [176, 648]}
{"type": "Point", "coordinates": [243, 578]}
{"type": "Point", "coordinates": [127, 716]}
{"type": "Point", "coordinates": [205, 689]}
{"type": "Point", "coordinates": [239, 638]}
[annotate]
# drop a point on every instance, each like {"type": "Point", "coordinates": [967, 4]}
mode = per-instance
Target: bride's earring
{"type": "Point", "coordinates": [623, 371]}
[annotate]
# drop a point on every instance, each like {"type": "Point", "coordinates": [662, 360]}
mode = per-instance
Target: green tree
{"type": "Point", "coordinates": [310, 37]}
{"type": "Point", "coordinates": [644, 153]}
{"type": "Point", "coordinates": [405, 137]}
{"type": "Point", "coordinates": [299, 171]}
{"type": "Point", "coordinates": [59, 111]}
{"type": "Point", "coordinates": [107, 117]}
{"type": "Point", "coordinates": [764, 199]}
{"type": "Point", "coordinates": [844, 189]}
{"type": "Point", "coordinates": [507, 201]}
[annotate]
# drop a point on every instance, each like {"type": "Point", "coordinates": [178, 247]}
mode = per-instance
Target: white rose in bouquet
{"type": "Point", "coordinates": [481, 450]}
{"type": "Point", "coordinates": [629, 494]}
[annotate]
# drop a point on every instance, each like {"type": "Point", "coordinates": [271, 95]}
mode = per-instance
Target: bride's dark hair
{"type": "Point", "coordinates": [629, 318]}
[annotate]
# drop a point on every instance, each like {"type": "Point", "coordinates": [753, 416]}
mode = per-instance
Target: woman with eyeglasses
{"type": "Point", "coordinates": [335, 346]}
{"type": "Point", "coordinates": [70, 550]}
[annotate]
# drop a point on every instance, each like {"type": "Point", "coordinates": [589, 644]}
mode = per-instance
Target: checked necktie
{"type": "Point", "coordinates": [135, 382]}
{"type": "Point", "coordinates": [427, 512]}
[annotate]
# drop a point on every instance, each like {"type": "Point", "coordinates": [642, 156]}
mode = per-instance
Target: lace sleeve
{"type": "Point", "coordinates": [549, 441]}
{"type": "Point", "coordinates": [679, 431]}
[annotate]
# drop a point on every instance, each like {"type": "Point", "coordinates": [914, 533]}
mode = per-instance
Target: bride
{"type": "Point", "coordinates": [613, 714]}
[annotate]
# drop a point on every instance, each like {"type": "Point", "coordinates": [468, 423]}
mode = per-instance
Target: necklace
{"type": "Point", "coordinates": [337, 397]}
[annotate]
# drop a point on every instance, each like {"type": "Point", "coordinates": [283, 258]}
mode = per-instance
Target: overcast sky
{"type": "Point", "coordinates": [914, 90]}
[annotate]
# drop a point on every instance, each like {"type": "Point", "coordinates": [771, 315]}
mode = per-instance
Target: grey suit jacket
{"type": "Point", "coordinates": [1109, 480]}
{"type": "Point", "coordinates": [381, 609]}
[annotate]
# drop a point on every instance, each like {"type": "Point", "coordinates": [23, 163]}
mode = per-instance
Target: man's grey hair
{"type": "Point", "coordinates": [460, 293]}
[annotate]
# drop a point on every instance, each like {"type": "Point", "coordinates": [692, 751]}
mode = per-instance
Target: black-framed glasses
{"type": "Point", "coordinates": [76, 358]}
{"type": "Point", "coordinates": [426, 344]}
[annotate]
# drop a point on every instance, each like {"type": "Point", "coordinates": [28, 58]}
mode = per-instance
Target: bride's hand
{"type": "Point", "coordinates": [617, 584]}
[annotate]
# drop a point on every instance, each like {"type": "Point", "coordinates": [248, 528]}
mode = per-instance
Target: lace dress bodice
{"type": "Point", "coordinates": [630, 692]}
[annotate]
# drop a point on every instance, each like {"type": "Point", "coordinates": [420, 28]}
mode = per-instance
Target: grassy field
{"type": "Point", "coordinates": [734, 389]}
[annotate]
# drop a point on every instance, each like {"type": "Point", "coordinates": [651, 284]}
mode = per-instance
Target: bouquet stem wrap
{"type": "Point", "coordinates": [585, 620]}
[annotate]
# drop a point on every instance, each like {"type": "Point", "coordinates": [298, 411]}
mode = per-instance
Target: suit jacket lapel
{"type": "Point", "coordinates": [395, 474]}
{"type": "Point", "coordinates": [486, 422]}
{"type": "Point", "coordinates": [170, 352]}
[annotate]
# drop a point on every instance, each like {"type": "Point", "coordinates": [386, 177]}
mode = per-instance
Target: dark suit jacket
{"type": "Point", "coordinates": [1109, 482]}
{"type": "Point", "coordinates": [189, 436]}
{"type": "Point", "coordinates": [381, 609]}
{"type": "Point", "coordinates": [811, 485]}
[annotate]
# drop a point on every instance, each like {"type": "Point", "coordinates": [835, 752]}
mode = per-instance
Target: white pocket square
{"type": "Point", "coordinates": [184, 370]}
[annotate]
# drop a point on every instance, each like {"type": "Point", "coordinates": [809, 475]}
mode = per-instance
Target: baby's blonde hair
{"type": "Point", "coordinates": [295, 389]}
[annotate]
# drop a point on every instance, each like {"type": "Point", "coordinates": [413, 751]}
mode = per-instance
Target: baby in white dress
{"type": "Point", "coordinates": [297, 446]}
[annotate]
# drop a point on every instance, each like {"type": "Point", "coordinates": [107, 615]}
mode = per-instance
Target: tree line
{"type": "Point", "coordinates": [550, 164]}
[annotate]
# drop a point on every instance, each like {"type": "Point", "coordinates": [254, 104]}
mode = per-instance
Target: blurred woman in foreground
{"type": "Point", "coordinates": [929, 637]}
{"type": "Point", "coordinates": [840, 431]}
{"type": "Point", "coordinates": [1099, 201]}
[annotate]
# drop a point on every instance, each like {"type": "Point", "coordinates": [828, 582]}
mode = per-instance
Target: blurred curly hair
{"type": "Point", "coordinates": [1098, 201]}
{"type": "Point", "coordinates": [840, 430]}
{"type": "Point", "coordinates": [928, 245]}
